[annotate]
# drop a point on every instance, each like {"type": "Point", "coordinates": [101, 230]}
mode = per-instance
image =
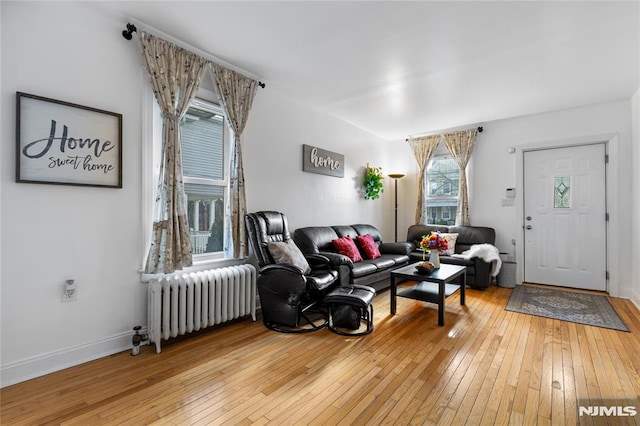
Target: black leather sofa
{"type": "Point", "coordinates": [478, 271]}
{"type": "Point", "coordinates": [371, 272]}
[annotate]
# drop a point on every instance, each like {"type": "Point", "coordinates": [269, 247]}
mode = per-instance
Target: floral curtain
{"type": "Point", "coordinates": [422, 149]}
{"type": "Point", "coordinates": [175, 75]}
{"type": "Point", "coordinates": [236, 94]}
{"type": "Point", "coordinates": [460, 145]}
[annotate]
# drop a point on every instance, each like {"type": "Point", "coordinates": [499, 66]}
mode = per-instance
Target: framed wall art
{"type": "Point", "coordinates": [321, 161]}
{"type": "Point", "coordinates": [67, 144]}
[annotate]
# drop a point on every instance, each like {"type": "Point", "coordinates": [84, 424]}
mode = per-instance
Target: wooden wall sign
{"type": "Point", "coordinates": [321, 161]}
{"type": "Point", "coordinates": [67, 144]}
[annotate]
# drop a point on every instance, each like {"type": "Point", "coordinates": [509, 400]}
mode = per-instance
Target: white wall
{"type": "Point", "coordinates": [493, 169]}
{"type": "Point", "coordinates": [1, 162]}
{"type": "Point", "coordinates": [51, 233]}
{"type": "Point", "coordinates": [273, 166]}
{"type": "Point", "coordinates": [635, 234]}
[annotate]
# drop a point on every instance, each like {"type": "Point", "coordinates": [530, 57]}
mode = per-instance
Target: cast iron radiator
{"type": "Point", "coordinates": [182, 303]}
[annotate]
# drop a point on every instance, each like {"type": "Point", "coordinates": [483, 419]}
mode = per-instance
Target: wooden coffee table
{"type": "Point", "coordinates": [434, 287]}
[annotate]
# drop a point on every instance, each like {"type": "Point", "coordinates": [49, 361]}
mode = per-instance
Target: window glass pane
{"type": "Point", "coordinates": [202, 144]}
{"type": "Point", "coordinates": [205, 212]}
{"type": "Point", "coordinates": [203, 168]}
{"type": "Point", "coordinates": [561, 192]}
{"type": "Point", "coordinates": [442, 179]}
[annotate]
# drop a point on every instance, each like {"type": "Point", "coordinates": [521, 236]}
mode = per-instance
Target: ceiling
{"type": "Point", "coordinates": [405, 68]}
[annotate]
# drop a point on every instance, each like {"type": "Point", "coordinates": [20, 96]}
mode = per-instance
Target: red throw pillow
{"type": "Point", "coordinates": [369, 247]}
{"type": "Point", "coordinates": [347, 247]}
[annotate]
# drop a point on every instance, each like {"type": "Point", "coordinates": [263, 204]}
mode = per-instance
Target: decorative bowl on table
{"type": "Point", "coordinates": [425, 267]}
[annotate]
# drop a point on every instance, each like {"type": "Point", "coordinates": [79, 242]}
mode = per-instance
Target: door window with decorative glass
{"type": "Point", "coordinates": [443, 176]}
{"type": "Point", "coordinates": [203, 161]}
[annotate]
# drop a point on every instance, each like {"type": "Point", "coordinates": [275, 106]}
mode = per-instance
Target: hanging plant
{"type": "Point", "coordinates": [373, 183]}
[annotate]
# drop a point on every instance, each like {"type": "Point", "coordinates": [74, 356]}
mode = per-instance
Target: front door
{"type": "Point", "coordinates": [565, 217]}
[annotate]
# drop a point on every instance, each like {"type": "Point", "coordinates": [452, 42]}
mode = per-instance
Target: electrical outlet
{"type": "Point", "coordinates": [69, 292]}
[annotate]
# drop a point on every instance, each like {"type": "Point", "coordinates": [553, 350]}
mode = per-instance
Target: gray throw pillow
{"type": "Point", "coordinates": [289, 253]}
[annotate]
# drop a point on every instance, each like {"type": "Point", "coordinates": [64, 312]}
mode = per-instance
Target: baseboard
{"type": "Point", "coordinates": [629, 293]}
{"type": "Point", "coordinates": [30, 368]}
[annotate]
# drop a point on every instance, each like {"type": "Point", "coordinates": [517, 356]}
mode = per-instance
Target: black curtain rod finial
{"type": "Point", "coordinates": [128, 33]}
{"type": "Point", "coordinates": [480, 129]}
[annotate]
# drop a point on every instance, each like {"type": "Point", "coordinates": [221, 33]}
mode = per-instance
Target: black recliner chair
{"type": "Point", "coordinates": [300, 293]}
{"type": "Point", "coordinates": [290, 296]}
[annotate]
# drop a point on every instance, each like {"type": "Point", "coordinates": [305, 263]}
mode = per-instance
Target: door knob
{"type": "Point", "coordinates": [529, 226]}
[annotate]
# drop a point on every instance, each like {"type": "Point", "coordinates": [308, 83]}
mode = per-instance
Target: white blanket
{"type": "Point", "coordinates": [486, 252]}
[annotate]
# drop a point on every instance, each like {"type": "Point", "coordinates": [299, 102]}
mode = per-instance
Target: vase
{"type": "Point", "coordinates": [434, 257]}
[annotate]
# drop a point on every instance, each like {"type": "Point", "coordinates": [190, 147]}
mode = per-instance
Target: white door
{"type": "Point", "coordinates": [565, 217]}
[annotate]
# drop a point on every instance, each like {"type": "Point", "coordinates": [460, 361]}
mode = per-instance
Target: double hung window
{"type": "Point", "coordinates": [442, 177]}
{"type": "Point", "coordinates": [204, 160]}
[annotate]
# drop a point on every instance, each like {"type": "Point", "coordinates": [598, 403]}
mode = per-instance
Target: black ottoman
{"type": "Point", "coordinates": [348, 307]}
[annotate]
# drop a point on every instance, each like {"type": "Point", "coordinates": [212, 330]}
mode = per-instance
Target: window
{"type": "Point", "coordinates": [561, 193]}
{"type": "Point", "coordinates": [442, 180]}
{"type": "Point", "coordinates": [205, 184]}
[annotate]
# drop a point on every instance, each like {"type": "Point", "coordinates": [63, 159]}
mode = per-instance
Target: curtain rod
{"type": "Point", "coordinates": [131, 28]}
{"type": "Point", "coordinates": [453, 129]}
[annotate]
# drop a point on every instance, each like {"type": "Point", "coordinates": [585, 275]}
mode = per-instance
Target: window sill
{"type": "Point", "coordinates": [198, 265]}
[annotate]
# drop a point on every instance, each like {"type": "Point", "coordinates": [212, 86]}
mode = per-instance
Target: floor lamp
{"type": "Point", "coordinates": [395, 177]}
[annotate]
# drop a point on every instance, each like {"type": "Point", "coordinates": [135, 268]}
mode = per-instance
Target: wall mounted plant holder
{"type": "Point", "coordinates": [373, 183]}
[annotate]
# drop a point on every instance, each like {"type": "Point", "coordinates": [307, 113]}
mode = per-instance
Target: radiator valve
{"type": "Point", "coordinates": [137, 340]}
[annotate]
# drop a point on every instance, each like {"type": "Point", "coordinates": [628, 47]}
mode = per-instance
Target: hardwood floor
{"type": "Point", "coordinates": [485, 366]}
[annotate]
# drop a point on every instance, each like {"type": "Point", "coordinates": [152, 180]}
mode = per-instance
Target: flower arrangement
{"type": "Point", "coordinates": [433, 241]}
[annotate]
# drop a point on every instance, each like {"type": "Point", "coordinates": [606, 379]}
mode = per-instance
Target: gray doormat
{"type": "Point", "coordinates": [581, 308]}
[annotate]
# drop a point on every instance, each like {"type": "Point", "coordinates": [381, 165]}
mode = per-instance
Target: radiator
{"type": "Point", "coordinates": [182, 303]}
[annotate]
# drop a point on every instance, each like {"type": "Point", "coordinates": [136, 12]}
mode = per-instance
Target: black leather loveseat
{"type": "Point", "coordinates": [478, 271]}
{"type": "Point", "coordinates": [371, 272]}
